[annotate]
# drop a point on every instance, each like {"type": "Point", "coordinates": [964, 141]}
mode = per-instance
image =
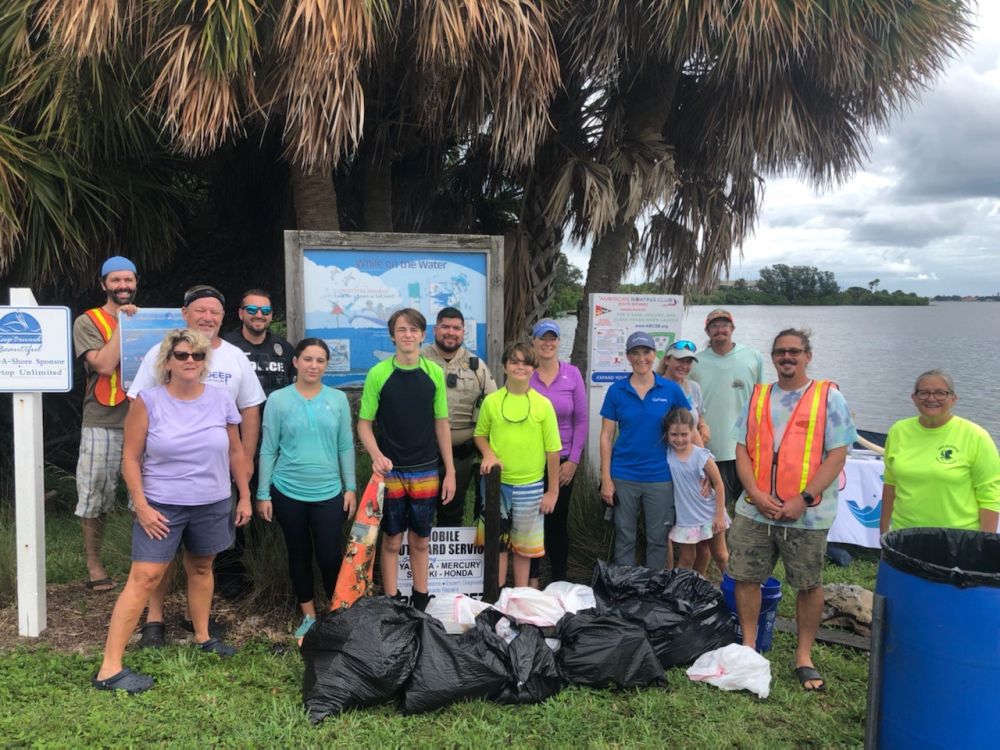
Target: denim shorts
{"type": "Point", "coordinates": [203, 529]}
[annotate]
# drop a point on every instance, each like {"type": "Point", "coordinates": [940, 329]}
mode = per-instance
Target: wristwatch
{"type": "Point", "coordinates": [809, 499]}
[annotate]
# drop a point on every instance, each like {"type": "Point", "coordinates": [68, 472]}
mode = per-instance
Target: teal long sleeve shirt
{"type": "Point", "coordinates": [308, 450]}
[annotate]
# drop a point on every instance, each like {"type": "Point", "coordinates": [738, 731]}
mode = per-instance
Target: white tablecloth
{"type": "Point", "coordinates": [860, 503]}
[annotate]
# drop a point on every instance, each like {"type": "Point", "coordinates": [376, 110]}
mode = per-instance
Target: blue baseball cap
{"type": "Point", "coordinates": [543, 326]}
{"type": "Point", "coordinates": [117, 263]}
{"type": "Point", "coordinates": [640, 338]}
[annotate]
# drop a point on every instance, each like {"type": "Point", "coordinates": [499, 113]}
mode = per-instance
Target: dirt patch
{"type": "Point", "coordinates": [78, 620]}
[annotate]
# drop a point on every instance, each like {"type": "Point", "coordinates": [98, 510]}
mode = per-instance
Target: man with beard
{"type": "Point", "coordinates": [204, 308]}
{"type": "Point", "coordinates": [271, 358]}
{"type": "Point", "coordinates": [791, 444]}
{"type": "Point", "coordinates": [468, 380]}
{"type": "Point", "coordinates": [269, 354]}
{"type": "Point", "coordinates": [98, 343]}
{"type": "Point", "coordinates": [727, 372]}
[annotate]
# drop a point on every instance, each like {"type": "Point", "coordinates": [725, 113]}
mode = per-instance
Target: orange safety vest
{"type": "Point", "coordinates": [107, 389]}
{"type": "Point", "coordinates": [785, 470]}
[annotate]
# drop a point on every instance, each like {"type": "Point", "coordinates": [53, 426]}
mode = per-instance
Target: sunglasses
{"type": "Point", "coordinates": [254, 309]}
{"type": "Point", "coordinates": [792, 352]}
{"type": "Point", "coordinates": [185, 356]}
{"type": "Point", "coordinates": [683, 344]}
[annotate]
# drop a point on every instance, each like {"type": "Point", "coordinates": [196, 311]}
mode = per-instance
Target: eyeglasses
{"type": "Point", "coordinates": [683, 344]}
{"type": "Point", "coordinates": [938, 395]}
{"type": "Point", "coordinates": [254, 309]}
{"type": "Point", "coordinates": [184, 356]}
{"type": "Point", "coordinates": [789, 352]}
{"type": "Point", "coordinates": [508, 419]}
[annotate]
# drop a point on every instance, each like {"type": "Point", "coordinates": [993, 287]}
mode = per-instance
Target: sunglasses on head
{"type": "Point", "coordinates": [683, 344]}
{"type": "Point", "coordinates": [254, 309]}
{"type": "Point", "coordinates": [184, 356]}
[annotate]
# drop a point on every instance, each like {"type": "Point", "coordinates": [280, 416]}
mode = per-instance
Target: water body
{"type": "Point", "coordinates": [875, 353]}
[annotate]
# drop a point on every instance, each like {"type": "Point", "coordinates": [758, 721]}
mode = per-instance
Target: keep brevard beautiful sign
{"type": "Point", "coordinates": [35, 351]}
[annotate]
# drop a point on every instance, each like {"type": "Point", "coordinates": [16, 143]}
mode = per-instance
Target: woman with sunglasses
{"type": "Point", "coordinates": [676, 366]}
{"type": "Point", "coordinates": [307, 477]}
{"type": "Point", "coordinates": [562, 384]}
{"type": "Point", "coordinates": [940, 470]}
{"type": "Point", "coordinates": [181, 446]}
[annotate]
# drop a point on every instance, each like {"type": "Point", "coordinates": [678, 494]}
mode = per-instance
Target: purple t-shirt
{"type": "Point", "coordinates": [187, 447]}
{"type": "Point", "coordinates": [569, 398]}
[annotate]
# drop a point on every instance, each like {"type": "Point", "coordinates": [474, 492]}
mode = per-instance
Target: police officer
{"type": "Point", "coordinates": [270, 355]}
{"type": "Point", "coordinates": [468, 380]}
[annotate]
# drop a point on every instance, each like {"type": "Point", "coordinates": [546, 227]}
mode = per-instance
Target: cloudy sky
{"type": "Point", "coordinates": [923, 215]}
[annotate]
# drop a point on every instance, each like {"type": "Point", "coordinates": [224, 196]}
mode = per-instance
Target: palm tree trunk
{"type": "Point", "coordinates": [604, 274]}
{"type": "Point", "coordinates": [531, 255]}
{"type": "Point", "coordinates": [376, 190]}
{"type": "Point", "coordinates": [315, 199]}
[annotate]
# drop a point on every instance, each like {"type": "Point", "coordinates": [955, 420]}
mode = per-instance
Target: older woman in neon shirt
{"type": "Point", "coordinates": [940, 470]}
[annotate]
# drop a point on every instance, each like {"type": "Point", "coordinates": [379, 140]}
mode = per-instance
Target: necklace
{"type": "Point", "coordinates": [503, 413]}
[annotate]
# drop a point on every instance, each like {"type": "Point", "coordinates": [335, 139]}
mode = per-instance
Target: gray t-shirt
{"type": "Point", "coordinates": [693, 508]}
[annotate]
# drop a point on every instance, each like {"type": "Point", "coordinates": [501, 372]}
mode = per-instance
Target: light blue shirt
{"type": "Point", "coordinates": [308, 449]}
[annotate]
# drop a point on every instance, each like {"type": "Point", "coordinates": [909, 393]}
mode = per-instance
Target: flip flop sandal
{"type": "Point", "coordinates": [215, 646]}
{"type": "Point", "coordinates": [810, 674]}
{"type": "Point", "coordinates": [127, 680]}
{"type": "Point", "coordinates": [101, 585]}
{"type": "Point", "coordinates": [216, 628]}
{"type": "Point", "coordinates": [154, 635]}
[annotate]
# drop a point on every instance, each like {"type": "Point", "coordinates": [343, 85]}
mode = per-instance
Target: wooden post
{"type": "Point", "coordinates": [491, 544]}
{"type": "Point", "coordinates": [29, 493]}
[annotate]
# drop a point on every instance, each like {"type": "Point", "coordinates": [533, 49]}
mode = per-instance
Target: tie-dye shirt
{"type": "Point", "coordinates": [839, 432]}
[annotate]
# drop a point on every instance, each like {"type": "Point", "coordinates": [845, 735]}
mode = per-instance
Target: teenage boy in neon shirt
{"type": "Point", "coordinates": [518, 431]}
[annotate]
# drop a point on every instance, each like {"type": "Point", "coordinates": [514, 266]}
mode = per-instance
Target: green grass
{"type": "Point", "coordinates": [255, 698]}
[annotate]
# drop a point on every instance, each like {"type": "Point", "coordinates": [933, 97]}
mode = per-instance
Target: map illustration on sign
{"type": "Point", "coordinates": [349, 294]}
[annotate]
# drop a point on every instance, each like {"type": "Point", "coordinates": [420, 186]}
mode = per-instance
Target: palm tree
{"type": "Point", "coordinates": [677, 111]}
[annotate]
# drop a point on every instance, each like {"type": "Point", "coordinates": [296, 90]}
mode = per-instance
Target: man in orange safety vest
{"type": "Point", "coordinates": [792, 442]}
{"type": "Point", "coordinates": [97, 342]}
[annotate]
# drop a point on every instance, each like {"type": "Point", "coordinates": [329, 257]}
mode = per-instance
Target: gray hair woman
{"type": "Point", "coordinates": [940, 470]}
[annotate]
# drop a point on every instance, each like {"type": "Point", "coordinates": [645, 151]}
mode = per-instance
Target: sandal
{"type": "Point", "coordinates": [307, 622]}
{"type": "Point", "coordinates": [810, 674]}
{"type": "Point", "coordinates": [101, 585]}
{"type": "Point", "coordinates": [127, 680]}
{"type": "Point", "coordinates": [215, 646]}
{"type": "Point", "coordinates": [154, 635]}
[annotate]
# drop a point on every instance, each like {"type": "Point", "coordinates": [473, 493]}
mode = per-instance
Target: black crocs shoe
{"type": "Point", "coordinates": [154, 635]}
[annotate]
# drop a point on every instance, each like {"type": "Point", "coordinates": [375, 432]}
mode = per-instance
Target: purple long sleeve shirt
{"type": "Point", "coordinates": [569, 398]}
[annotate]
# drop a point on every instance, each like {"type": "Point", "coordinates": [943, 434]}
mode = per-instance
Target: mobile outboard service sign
{"type": "Point", "coordinates": [35, 350]}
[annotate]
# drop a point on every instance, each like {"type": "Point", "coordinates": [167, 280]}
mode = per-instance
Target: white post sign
{"type": "Point", "coordinates": [613, 318]}
{"type": "Point", "coordinates": [35, 357]}
{"type": "Point", "coordinates": [455, 564]}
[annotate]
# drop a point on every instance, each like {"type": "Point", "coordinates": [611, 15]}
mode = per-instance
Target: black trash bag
{"type": "Point", "coordinates": [602, 651]}
{"type": "Point", "coordinates": [532, 674]}
{"type": "Point", "coordinates": [957, 556]}
{"type": "Point", "coordinates": [359, 656]}
{"type": "Point", "coordinates": [683, 614]}
{"type": "Point", "coordinates": [453, 668]}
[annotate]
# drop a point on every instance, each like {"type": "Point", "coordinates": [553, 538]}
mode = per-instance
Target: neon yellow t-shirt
{"type": "Point", "coordinates": [943, 476]}
{"type": "Point", "coordinates": [521, 429]}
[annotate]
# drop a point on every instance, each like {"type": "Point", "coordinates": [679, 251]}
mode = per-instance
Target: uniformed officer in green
{"type": "Point", "coordinates": [468, 380]}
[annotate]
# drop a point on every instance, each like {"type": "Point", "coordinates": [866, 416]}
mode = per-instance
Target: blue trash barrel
{"type": "Point", "coordinates": [770, 595]}
{"type": "Point", "coordinates": [940, 639]}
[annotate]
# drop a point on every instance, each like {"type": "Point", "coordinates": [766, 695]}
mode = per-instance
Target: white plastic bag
{"type": "Point", "coordinates": [531, 606]}
{"type": "Point", "coordinates": [457, 612]}
{"type": "Point", "coordinates": [574, 597]}
{"type": "Point", "coordinates": [734, 667]}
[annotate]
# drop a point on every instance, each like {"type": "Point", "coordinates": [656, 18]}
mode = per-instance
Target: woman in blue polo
{"type": "Point", "coordinates": [634, 470]}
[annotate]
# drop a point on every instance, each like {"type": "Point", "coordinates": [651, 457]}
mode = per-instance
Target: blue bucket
{"type": "Point", "coordinates": [940, 648]}
{"type": "Point", "coordinates": [770, 595]}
